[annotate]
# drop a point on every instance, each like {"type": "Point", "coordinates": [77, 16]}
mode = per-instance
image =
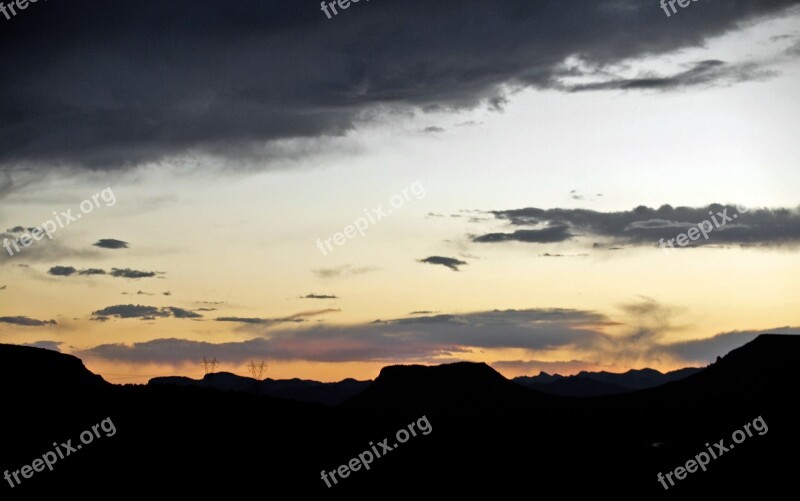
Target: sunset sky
{"type": "Point", "coordinates": [527, 157]}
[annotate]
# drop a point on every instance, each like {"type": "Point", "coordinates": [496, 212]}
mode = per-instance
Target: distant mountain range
{"type": "Point", "coordinates": [292, 389]}
{"type": "Point", "coordinates": [584, 384]}
{"type": "Point", "coordinates": [595, 384]}
{"type": "Point", "coordinates": [490, 436]}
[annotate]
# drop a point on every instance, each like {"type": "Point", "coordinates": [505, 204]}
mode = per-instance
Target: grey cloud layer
{"type": "Point", "coordinates": [708, 349]}
{"type": "Point", "coordinates": [403, 339]}
{"type": "Point", "coordinates": [105, 84]}
{"type": "Point", "coordinates": [429, 338]}
{"type": "Point", "coordinates": [67, 271]}
{"type": "Point", "coordinates": [645, 226]}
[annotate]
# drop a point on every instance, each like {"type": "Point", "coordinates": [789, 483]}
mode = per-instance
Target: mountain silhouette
{"type": "Point", "coordinates": [593, 384]}
{"type": "Point", "coordinates": [291, 389]}
{"type": "Point", "coordinates": [489, 435]}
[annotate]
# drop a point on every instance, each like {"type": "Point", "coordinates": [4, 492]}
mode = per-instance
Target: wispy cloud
{"type": "Point", "coordinates": [26, 321]}
{"type": "Point", "coordinates": [320, 296]}
{"type": "Point", "coordinates": [143, 312]}
{"type": "Point", "coordinates": [345, 270]}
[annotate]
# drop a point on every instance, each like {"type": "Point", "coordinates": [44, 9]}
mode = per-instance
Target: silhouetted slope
{"type": "Point", "coordinates": [579, 386]}
{"type": "Point", "coordinates": [490, 436]}
{"type": "Point", "coordinates": [38, 369]}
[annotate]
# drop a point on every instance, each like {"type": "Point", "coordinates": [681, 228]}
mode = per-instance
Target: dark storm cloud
{"type": "Point", "coordinates": [143, 312]}
{"type": "Point", "coordinates": [646, 226]}
{"type": "Point", "coordinates": [110, 243]}
{"type": "Point", "coordinates": [111, 84]}
{"type": "Point", "coordinates": [449, 262]}
{"type": "Point", "coordinates": [26, 322]}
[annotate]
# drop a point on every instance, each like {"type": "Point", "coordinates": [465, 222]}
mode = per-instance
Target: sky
{"type": "Point", "coordinates": [538, 185]}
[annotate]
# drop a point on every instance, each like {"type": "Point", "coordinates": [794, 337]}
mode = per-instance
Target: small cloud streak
{"type": "Point", "coordinates": [129, 273]}
{"type": "Point", "coordinates": [26, 321]}
{"type": "Point", "coordinates": [346, 270]}
{"type": "Point", "coordinates": [110, 243]}
{"type": "Point", "coordinates": [448, 262]}
{"type": "Point", "coordinates": [144, 312]}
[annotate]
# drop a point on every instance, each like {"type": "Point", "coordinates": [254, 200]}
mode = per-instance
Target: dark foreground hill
{"type": "Point", "coordinates": [481, 434]}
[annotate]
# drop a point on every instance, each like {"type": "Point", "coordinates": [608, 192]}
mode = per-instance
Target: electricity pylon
{"type": "Point", "coordinates": [257, 371]}
{"type": "Point", "coordinates": [209, 366]}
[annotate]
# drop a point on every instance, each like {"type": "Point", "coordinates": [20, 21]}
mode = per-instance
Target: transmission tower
{"type": "Point", "coordinates": [257, 371]}
{"type": "Point", "coordinates": [209, 366]}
